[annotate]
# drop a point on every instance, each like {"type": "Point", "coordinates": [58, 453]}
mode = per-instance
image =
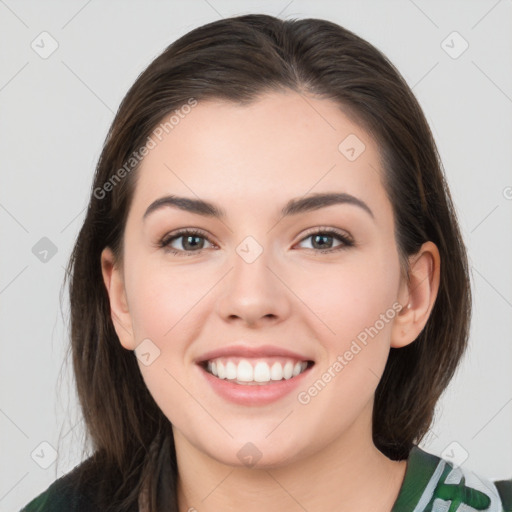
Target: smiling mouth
{"type": "Point", "coordinates": [250, 371]}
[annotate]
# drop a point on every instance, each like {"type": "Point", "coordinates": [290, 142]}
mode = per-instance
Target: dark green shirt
{"type": "Point", "coordinates": [431, 484]}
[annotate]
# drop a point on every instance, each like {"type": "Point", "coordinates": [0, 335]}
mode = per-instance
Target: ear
{"type": "Point", "coordinates": [417, 296]}
{"type": "Point", "coordinates": [114, 283]}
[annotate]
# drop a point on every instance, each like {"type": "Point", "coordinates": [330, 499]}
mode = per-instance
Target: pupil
{"type": "Point", "coordinates": [322, 246]}
{"type": "Point", "coordinates": [187, 241]}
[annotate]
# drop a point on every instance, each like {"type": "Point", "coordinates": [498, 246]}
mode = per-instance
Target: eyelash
{"type": "Point", "coordinates": [166, 240]}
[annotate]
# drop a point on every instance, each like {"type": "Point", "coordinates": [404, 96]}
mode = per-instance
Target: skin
{"type": "Point", "coordinates": [251, 160]}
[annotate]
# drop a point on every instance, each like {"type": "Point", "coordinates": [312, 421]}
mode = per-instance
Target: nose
{"type": "Point", "coordinates": [253, 293]}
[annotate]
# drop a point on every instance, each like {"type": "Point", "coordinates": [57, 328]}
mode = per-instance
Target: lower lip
{"type": "Point", "coordinates": [253, 394]}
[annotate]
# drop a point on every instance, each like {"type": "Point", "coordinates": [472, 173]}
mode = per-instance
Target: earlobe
{"type": "Point", "coordinates": [418, 295]}
{"type": "Point", "coordinates": [114, 284]}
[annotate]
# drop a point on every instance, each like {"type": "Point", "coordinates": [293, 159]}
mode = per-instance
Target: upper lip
{"type": "Point", "coordinates": [251, 351]}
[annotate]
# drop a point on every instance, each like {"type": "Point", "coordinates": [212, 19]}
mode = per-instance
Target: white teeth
{"type": "Point", "coordinates": [261, 372]}
{"type": "Point", "coordinates": [244, 372]}
{"type": "Point", "coordinates": [297, 369]}
{"type": "Point", "coordinates": [276, 372]}
{"type": "Point", "coordinates": [221, 372]}
{"type": "Point", "coordinates": [288, 370]}
{"type": "Point", "coordinates": [231, 371]}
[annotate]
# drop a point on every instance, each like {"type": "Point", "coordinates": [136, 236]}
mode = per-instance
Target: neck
{"type": "Point", "coordinates": [350, 472]}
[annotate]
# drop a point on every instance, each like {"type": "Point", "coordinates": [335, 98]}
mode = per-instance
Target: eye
{"type": "Point", "coordinates": [322, 239]}
{"type": "Point", "coordinates": [192, 242]}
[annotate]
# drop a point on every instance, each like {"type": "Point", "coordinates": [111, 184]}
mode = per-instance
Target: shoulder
{"type": "Point", "coordinates": [434, 483]}
{"type": "Point", "coordinates": [505, 491]}
{"type": "Point", "coordinates": [67, 494]}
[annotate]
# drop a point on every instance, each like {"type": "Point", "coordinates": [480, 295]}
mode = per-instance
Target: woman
{"type": "Point", "coordinates": [270, 290]}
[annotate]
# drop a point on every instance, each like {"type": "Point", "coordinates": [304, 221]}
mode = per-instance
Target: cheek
{"type": "Point", "coordinates": [162, 310]}
{"type": "Point", "coordinates": [357, 311]}
{"type": "Point", "coordinates": [355, 303]}
{"type": "Point", "coordinates": [351, 297]}
{"type": "Point", "coordinates": [162, 297]}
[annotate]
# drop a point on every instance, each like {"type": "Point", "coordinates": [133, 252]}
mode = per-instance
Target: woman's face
{"type": "Point", "coordinates": [256, 295]}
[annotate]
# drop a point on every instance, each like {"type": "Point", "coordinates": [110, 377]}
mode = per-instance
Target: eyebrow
{"type": "Point", "coordinates": [293, 206]}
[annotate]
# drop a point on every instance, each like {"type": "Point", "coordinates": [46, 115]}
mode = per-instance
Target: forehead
{"type": "Point", "coordinates": [280, 146]}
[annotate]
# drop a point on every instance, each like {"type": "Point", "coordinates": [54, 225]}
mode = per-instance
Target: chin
{"type": "Point", "coordinates": [255, 454]}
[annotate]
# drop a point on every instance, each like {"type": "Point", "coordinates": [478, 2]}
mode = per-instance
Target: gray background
{"type": "Point", "coordinates": [54, 115]}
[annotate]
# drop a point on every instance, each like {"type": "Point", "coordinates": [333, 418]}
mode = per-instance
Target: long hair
{"type": "Point", "coordinates": [239, 59]}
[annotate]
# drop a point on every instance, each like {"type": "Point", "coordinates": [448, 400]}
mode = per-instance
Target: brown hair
{"type": "Point", "coordinates": [239, 59]}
